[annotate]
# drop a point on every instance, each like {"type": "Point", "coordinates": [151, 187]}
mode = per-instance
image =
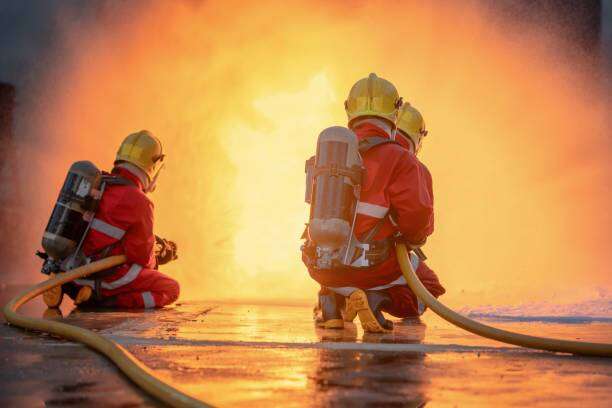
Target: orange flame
{"type": "Point", "coordinates": [239, 92]}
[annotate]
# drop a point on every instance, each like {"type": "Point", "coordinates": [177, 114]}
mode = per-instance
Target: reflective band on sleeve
{"type": "Point", "coordinates": [131, 274]}
{"type": "Point", "coordinates": [107, 229]}
{"type": "Point", "coordinates": [147, 298]}
{"type": "Point", "coordinates": [372, 210]}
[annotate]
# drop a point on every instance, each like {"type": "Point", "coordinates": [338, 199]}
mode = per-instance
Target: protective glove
{"type": "Point", "coordinates": [165, 250]}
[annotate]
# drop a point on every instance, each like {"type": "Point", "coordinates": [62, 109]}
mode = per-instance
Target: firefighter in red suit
{"type": "Point", "coordinates": [123, 224]}
{"type": "Point", "coordinates": [397, 199]}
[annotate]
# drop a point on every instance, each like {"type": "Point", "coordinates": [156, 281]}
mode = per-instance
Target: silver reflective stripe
{"type": "Point", "coordinates": [131, 274]}
{"type": "Point", "coordinates": [421, 307]}
{"type": "Point", "coordinates": [415, 261]}
{"type": "Point", "coordinates": [399, 281]}
{"type": "Point", "coordinates": [107, 229]}
{"type": "Point", "coordinates": [148, 300]}
{"type": "Point", "coordinates": [344, 291]}
{"type": "Point", "coordinates": [372, 210]}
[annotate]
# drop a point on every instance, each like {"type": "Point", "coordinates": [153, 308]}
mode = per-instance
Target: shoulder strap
{"type": "Point", "coordinates": [355, 173]}
{"type": "Point", "coordinates": [372, 232]}
{"type": "Point", "coordinates": [115, 180]}
{"type": "Point", "coordinates": [368, 143]}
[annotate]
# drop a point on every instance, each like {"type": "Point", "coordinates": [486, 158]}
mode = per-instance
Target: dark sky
{"type": "Point", "coordinates": [28, 28]}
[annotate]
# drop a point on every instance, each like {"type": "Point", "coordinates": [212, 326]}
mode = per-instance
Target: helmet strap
{"type": "Point", "coordinates": [153, 183]}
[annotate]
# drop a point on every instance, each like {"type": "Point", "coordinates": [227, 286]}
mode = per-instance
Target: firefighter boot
{"type": "Point", "coordinates": [83, 295]}
{"type": "Point", "coordinates": [329, 310]}
{"type": "Point", "coordinates": [54, 296]}
{"type": "Point", "coordinates": [368, 306]}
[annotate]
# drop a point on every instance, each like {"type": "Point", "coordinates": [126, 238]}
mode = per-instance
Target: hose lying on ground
{"type": "Point", "coordinates": [541, 343]}
{"type": "Point", "coordinates": [123, 359]}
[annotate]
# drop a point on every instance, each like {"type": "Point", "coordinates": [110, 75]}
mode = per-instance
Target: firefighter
{"type": "Point", "coordinates": [396, 202]}
{"type": "Point", "coordinates": [411, 130]}
{"type": "Point", "coordinates": [123, 224]}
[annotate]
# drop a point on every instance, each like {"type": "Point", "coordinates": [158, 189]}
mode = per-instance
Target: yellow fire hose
{"type": "Point", "coordinates": [541, 343]}
{"type": "Point", "coordinates": [123, 359]}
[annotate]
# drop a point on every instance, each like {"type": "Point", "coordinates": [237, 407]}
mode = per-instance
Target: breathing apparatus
{"type": "Point", "coordinates": [333, 180]}
{"type": "Point", "coordinates": [71, 217]}
{"type": "Point", "coordinates": [75, 209]}
{"type": "Point", "coordinates": [333, 189]}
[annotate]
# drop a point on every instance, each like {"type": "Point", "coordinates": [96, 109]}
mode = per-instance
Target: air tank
{"type": "Point", "coordinates": [336, 177]}
{"type": "Point", "coordinates": [68, 221]}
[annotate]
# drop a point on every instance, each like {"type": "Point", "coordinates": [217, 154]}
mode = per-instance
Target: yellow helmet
{"type": "Point", "coordinates": [373, 96]}
{"type": "Point", "coordinates": [411, 125]}
{"type": "Point", "coordinates": [143, 150]}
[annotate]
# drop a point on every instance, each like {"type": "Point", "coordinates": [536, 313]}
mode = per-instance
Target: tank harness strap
{"type": "Point", "coordinates": [372, 232]}
{"type": "Point", "coordinates": [116, 180]}
{"type": "Point", "coordinates": [378, 251]}
{"type": "Point", "coordinates": [354, 172]}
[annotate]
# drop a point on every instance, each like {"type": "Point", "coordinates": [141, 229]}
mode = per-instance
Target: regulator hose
{"type": "Point", "coordinates": [123, 359]}
{"type": "Point", "coordinates": [540, 343]}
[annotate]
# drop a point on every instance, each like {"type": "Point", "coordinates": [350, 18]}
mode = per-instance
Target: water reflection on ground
{"type": "Point", "coordinates": [266, 355]}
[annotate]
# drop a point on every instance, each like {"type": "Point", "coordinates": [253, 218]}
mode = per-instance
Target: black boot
{"type": "Point", "coordinates": [368, 306]}
{"type": "Point", "coordinates": [329, 308]}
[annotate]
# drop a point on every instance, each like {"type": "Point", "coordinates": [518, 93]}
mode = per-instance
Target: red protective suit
{"type": "Point", "coordinates": [124, 219]}
{"type": "Point", "coordinates": [396, 182]}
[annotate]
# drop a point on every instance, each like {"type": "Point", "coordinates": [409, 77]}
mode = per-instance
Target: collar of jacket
{"type": "Point", "coordinates": [125, 173]}
{"type": "Point", "coordinates": [404, 141]}
{"type": "Point", "coordinates": [368, 129]}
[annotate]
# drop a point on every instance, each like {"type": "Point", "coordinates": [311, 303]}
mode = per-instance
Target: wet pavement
{"type": "Point", "coordinates": [271, 355]}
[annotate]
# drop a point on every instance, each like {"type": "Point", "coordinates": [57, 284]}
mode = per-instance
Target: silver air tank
{"type": "Point", "coordinates": [335, 190]}
{"type": "Point", "coordinates": [68, 222]}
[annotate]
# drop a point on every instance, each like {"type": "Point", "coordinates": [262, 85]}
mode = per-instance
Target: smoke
{"type": "Point", "coordinates": [239, 92]}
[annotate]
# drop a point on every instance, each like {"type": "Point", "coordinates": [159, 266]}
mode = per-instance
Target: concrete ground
{"type": "Point", "coordinates": [270, 355]}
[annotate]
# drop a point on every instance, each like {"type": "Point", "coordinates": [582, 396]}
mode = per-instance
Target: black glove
{"type": "Point", "coordinates": [165, 250]}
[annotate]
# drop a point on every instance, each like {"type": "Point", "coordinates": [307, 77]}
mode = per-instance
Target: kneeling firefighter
{"type": "Point", "coordinates": [102, 214]}
{"type": "Point", "coordinates": [367, 190]}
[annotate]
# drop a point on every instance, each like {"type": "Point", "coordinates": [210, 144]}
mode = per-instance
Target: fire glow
{"type": "Point", "coordinates": [239, 93]}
